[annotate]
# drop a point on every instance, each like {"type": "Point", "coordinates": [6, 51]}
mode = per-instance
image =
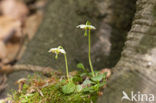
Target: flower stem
{"type": "Point", "coordinates": [89, 56]}
{"type": "Point", "coordinates": [65, 57]}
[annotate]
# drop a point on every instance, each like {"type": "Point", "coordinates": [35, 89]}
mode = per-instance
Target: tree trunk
{"type": "Point", "coordinates": [136, 69]}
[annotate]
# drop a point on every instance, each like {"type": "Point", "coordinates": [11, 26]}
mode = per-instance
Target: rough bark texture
{"type": "Point", "coordinates": [136, 70]}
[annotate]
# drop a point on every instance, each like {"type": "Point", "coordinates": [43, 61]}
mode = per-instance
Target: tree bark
{"type": "Point", "coordinates": [136, 69]}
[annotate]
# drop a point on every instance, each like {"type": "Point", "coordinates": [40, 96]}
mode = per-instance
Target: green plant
{"type": "Point", "coordinates": [81, 87]}
{"type": "Point", "coordinates": [70, 86]}
{"type": "Point", "coordinates": [88, 27]}
{"type": "Point", "coordinates": [57, 51]}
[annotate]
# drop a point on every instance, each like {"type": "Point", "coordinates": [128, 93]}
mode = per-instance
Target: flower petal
{"type": "Point", "coordinates": [82, 26]}
{"type": "Point", "coordinates": [57, 50]}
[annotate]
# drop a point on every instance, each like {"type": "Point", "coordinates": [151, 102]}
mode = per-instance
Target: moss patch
{"type": "Point", "coordinates": [53, 95]}
{"type": "Point", "coordinates": [50, 90]}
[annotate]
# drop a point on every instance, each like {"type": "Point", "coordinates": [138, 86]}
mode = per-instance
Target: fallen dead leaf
{"type": "Point", "coordinates": [2, 50]}
{"type": "Point", "coordinates": [73, 73]}
{"type": "Point", "coordinates": [12, 49]}
{"type": "Point", "coordinates": [100, 93]}
{"type": "Point", "coordinates": [20, 83]}
{"type": "Point", "coordinates": [106, 70]}
{"type": "Point", "coordinates": [14, 8]}
{"type": "Point", "coordinates": [32, 23]}
{"type": "Point", "coordinates": [9, 27]}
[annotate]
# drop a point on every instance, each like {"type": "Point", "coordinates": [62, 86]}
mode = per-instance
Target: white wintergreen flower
{"type": "Point", "coordinates": [57, 50]}
{"type": "Point", "coordinates": [83, 26]}
{"type": "Point", "coordinates": [88, 27]}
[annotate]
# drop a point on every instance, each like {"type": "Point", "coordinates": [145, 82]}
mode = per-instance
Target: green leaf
{"type": "Point", "coordinates": [87, 82]}
{"type": "Point", "coordinates": [77, 78]}
{"type": "Point", "coordinates": [63, 81]}
{"type": "Point", "coordinates": [79, 88]}
{"type": "Point", "coordinates": [80, 66]}
{"type": "Point", "coordinates": [83, 74]}
{"type": "Point", "coordinates": [24, 101]}
{"type": "Point", "coordinates": [91, 89]}
{"type": "Point", "coordinates": [88, 89]}
{"type": "Point", "coordinates": [96, 87]}
{"type": "Point", "coordinates": [97, 78]}
{"type": "Point", "coordinates": [68, 88]}
{"type": "Point", "coordinates": [25, 86]}
{"type": "Point", "coordinates": [104, 75]}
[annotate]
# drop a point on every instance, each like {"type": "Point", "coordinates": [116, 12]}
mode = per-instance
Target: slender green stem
{"type": "Point", "coordinates": [65, 57]}
{"type": "Point", "coordinates": [89, 56]}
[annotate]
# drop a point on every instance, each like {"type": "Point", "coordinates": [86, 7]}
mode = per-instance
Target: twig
{"type": "Point", "coordinates": [22, 67]}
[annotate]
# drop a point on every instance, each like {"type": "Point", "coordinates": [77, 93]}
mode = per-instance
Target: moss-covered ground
{"type": "Point", "coordinates": [36, 89]}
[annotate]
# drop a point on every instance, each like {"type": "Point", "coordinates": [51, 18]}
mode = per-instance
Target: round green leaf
{"type": "Point", "coordinates": [97, 78]}
{"type": "Point", "coordinates": [78, 88]}
{"type": "Point", "coordinates": [68, 88]}
{"type": "Point", "coordinates": [87, 82]}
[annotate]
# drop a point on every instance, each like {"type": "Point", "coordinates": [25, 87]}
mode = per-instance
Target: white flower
{"type": "Point", "coordinates": [83, 26]}
{"type": "Point", "coordinates": [57, 50]}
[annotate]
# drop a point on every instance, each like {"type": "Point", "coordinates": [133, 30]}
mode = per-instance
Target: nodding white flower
{"type": "Point", "coordinates": [83, 26]}
{"type": "Point", "coordinates": [86, 27]}
{"type": "Point", "coordinates": [57, 50]}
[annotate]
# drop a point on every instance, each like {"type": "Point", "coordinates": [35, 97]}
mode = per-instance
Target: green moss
{"type": "Point", "coordinates": [35, 91]}
{"type": "Point", "coordinates": [53, 95]}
